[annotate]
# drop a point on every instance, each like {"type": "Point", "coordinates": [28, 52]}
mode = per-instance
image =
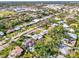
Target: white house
{"type": "Point", "coordinates": [1, 33]}
{"type": "Point", "coordinates": [72, 35]}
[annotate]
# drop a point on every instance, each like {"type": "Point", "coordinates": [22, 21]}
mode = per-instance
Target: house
{"type": "Point", "coordinates": [65, 39]}
{"type": "Point", "coordinates": [31, 49]}
{"type": "Point", "coordinates": [69, 42]}
{"type": "Point", "coordinates": [70, 29]}
{"type": "Point", "coordinates": [74, 36]}
{"type": "Point", "coordinates": [61, 22]}
{"type": "Point", "coordinates": [10, 30]}
{"type": "Point", "coordinates": [44, 32]}
{"type": "Point", "coordinates": [60, 56]}
{"type": "Point", "coordinates": [65, 26]}
{"type": "Point", "coordinates": [56, 18]}
{"type": "Point", "coordinates": [37, 36]}
{"type": "Point", "coordinates": [1, 33]}
{"type": "Point", "coordinates": [15, 52]}
{"type": "Point", "coordinates": [28, 43]}
{"type": "Point", "coordinates": [64, 50]}
{"type": "Point", "coordinates": [54, 24]}
{"type": "Point", "coordinates": [36, 20]}
{"type": "Point", "coordinates": [17, 28]}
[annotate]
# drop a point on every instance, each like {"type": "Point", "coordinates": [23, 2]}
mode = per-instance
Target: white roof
{"type": "Point", "coordinates": [70, 29]}
{"type": "Point", "coordinates": [72, 35]}
{"type": "Point", "coordinates": [31, 49]}
{"type": "Point", "coordinates": [60, 56]}
{"type": "Point", "coordinates": [56, 18]}
{"type": "Point", "coordinates": [65, 25]}
{"type": "Point", "coordinates": [54, 24]}
{"type": "Point", "coordinates": [17, 28]}
{"type": "Point", "coordinates": [37, 36]}
{"type": "Point", "coordinates": [36, 20]}
{"type": "Point", "coordinates": [61, 22]}
{"type": "Point", "coordinates": [45, 31]}
{"type": "Point", "coordinates": [1, 33]}
{"type": "Point", "coordinates": [64, 50]}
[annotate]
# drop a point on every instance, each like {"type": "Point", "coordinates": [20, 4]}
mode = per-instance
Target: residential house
{"type": "Point", "coordinates": [15, 52]}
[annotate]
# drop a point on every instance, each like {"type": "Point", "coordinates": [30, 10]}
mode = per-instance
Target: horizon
{"type": "Point", "coordinates": [40, 1]}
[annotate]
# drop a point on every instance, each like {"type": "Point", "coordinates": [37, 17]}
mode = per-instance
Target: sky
{"type": "Point", "coordinates": [39, 0]}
